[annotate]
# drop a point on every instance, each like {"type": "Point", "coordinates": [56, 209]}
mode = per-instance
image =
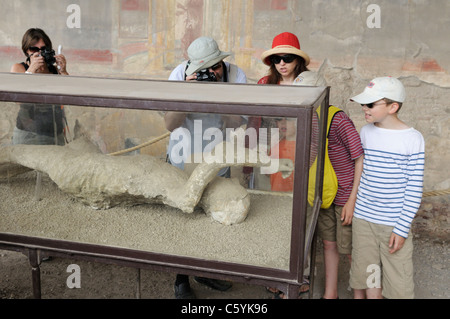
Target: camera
{"type": "Point", "coordinates": [49, 56]}
{"type": "Point", "coordinates": [205, 75]}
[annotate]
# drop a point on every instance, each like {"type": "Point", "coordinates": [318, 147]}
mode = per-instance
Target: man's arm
{"type": "Point", "coordinates": [174, 120]}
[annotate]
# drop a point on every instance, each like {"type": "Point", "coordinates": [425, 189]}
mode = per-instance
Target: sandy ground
{"type": "Point", "coordinates": [104, 281]}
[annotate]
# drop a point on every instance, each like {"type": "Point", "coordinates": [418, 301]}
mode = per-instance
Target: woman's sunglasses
{"type": "Point", "coordinates": [36, 49]}
{"type": "Point", "coordinates": [288, 58]}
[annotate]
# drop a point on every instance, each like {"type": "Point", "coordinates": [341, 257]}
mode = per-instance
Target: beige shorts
{"type": "Point", "coordinates": [374, 267]}
{"type": "Point", "coordinates": [329, 227]}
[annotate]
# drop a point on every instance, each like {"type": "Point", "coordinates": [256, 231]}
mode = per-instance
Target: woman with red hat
{"type": "Point", "coordinates": [286, 61]}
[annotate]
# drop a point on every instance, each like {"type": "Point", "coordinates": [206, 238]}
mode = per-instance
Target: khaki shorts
{"type": "Point", "coordinates": [329, 227]}
{"type": "Point", "coordinates": [374, 267]}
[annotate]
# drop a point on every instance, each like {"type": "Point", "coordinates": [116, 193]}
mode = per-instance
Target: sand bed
{"type": "Point", "coordinates": [263, 239]}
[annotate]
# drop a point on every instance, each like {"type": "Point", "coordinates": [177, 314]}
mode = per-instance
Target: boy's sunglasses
{"type": "Point", "coordinates": [371, 105]}
{"type": "Point", "coordinates": [288, 58]}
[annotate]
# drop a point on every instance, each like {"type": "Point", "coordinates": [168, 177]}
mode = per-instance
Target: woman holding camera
{"type": "Point", "coordinates": [40, 124]}
{"type": "Point", "coordinates": [34, 42]}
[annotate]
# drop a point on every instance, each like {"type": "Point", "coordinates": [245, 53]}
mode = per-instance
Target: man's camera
{"type": "Point", "coordinates": [49, 56]}
{"type": "Point", "coordinates": [205, 75]}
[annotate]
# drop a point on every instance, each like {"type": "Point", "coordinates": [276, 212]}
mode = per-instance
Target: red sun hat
{"type": "Point", "coordinates": [287, 43]}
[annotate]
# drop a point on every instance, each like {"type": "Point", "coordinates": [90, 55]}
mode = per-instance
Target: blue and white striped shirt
{"type": "Point", "coordinates": [390, 191]}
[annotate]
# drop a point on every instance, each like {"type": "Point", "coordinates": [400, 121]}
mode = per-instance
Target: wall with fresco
{"type": "Point", "coordinates": [350, 42]}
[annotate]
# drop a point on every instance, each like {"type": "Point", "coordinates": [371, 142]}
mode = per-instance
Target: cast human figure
{"type": "Point", "coordinates": [389, 195]}
{"type": "Point", "coordinates": [204, 54]}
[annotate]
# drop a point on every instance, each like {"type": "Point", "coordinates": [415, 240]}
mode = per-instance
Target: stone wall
{"type": "Point", "coordinates": [349, 42]}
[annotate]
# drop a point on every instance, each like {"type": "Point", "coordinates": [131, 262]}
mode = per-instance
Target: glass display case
{"type": "Point", "coordinates": [111, 194]}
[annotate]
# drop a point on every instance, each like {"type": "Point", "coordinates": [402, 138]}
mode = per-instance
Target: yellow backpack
{"type": "Point", "coordinates": [330, 182]}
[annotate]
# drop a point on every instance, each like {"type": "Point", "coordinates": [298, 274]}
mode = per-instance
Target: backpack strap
{"type": "Point", "coordinates": [332, 111]}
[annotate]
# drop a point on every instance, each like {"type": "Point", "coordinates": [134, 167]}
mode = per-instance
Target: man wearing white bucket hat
{"type": "Point", "coordinates": [389, 195]}
{"type": "Point", "coordinates": [204, 54]}
{"type": "Point", "coordinates": [205, 64]}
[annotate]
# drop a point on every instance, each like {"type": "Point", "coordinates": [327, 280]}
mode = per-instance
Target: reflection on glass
{"type": "Point", "coordinates": [136, 224]}
{"type": "Point", "coordinates": [313, 206]}
{"type": "Point", "coordinates": [314, 152]}
{"type": "Point", "coordinates": [40, 124]}
{"type": "Point", "coordinates": [277, 138]}
{"type": "Point", "coordinates": [284, 151]}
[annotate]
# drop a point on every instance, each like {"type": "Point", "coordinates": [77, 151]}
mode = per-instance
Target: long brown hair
{"type": "Point", "coordinates": [274, 77]}
{"type": "Point", "coordinates": [32, 36]}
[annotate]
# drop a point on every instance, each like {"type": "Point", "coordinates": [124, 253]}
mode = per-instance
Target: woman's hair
{"type": "Point", "coordinates": [274, 77]}
{"type": "Point", "coordinates": [32, 36]}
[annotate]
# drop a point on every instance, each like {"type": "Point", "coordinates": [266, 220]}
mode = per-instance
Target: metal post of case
{"type": "Point", "coordinates": [33, 256]}
{"type": "Point", "coordinates": [292, 291]}
{"type": "Point", "coordinates": [138, 283]}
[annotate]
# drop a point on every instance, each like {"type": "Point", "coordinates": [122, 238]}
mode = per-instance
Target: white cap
{"type": "Point", "coordinates": [382, 88]}
{"type": "Point", "coordinates": [309, 78]}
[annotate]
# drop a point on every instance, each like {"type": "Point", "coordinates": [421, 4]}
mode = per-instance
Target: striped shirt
{"type": "Point", "coordinates": [344, 147]}
{"type": "Point", "coordinates": [390, 191]}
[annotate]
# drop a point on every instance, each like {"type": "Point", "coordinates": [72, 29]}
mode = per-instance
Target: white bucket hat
{"type": "Point", "coordinates": [382, 88]}
{"type": "Point", "coordinates": [309, 78]}
{"type": "Point", "coordinates": [204, 53]}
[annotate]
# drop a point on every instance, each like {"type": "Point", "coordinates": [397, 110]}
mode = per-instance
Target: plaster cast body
{"type": "Point", "coordinates": [102, 181]}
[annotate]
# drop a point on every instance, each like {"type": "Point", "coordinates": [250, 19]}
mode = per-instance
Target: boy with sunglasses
{"type": "Point", "coordinates": [389, 195]}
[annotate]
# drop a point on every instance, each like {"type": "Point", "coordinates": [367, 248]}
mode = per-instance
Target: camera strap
{"type": "Point", "coordinates": [225, 73]}
{"type": "Point", "coordinates": [187, 65]}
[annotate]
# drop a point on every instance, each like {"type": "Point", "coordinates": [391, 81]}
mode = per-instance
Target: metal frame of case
{"type": "Point", "coordinates": [182, 96]}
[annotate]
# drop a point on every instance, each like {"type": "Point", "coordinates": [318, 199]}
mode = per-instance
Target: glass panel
{"type": "Point", "coordinates": [315, 171]}
{"type": "Point", "coordinates": [88, 193]}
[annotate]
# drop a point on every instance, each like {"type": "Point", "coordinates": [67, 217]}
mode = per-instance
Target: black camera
{"type": "Point", "coordinates": [49, 57]}
{"type": "Point", "coordinates": [205, 75]}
